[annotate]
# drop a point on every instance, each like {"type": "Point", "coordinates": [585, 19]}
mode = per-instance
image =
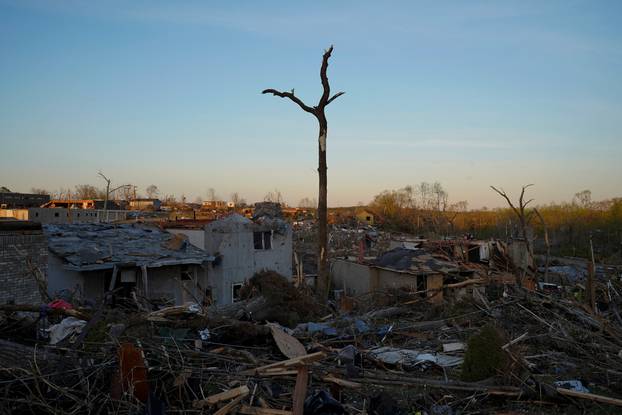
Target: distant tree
{"type": "Point", "coordinates": [308, 203]}
{"type": "Point", "coordinates": [170, 199]}
{"type": "Point", "coordinates": [409, 194]}
{"type": "Point", "coordinates": [87, 191]}
{"type": "Point", "coordinates": [390, 202]}
{"type": "Point", "coordinates": [440, 197]}
{"type": "Point", "coordinates": [211, 194]}
{"type": "Point", "coordinates": [152, 191]}
{"type": "Point", "coordinates": [4, 189]}
{"type": "Point", "coordinates": [424, 190]}
{"type": "Point", "coordinates": [583, 198]}
{"type": "Point", "coordinates": [274, 196]}
{"type": "Point", "coordinates": [38, 191]}
{"type": "Point", "coordinates": [125, 192]}
{"type": "Point", "coordinates": [62, 193]}
{"type": "Point", "coordinates": [394, 207]}
{"type": "Point", "coordinates": [460, 206]}
{"type": "Point", "coordinates": [237, 200]}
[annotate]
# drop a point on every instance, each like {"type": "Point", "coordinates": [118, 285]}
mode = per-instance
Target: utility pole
{"type": "Point", "coordinates": [106, 198]}
{"type": "Point", "coordinates": [108, 191]}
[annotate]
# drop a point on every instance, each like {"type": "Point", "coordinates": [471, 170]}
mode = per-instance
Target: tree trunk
{"type": "Point", "coordinates": [322, 279]}
{"type": "Point", "coordinates": [323, 283]}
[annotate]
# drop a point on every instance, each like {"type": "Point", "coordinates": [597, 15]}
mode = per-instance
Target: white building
{"type": "Point", "coordinates": [242, 248]}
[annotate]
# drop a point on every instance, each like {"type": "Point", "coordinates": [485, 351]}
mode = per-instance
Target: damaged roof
{"type": "Point", "coordinates": [236, 222]}
{"type": "Point", "coordinates": [414, 261]}
{"type": "Point", "coordinates": [98, 246]}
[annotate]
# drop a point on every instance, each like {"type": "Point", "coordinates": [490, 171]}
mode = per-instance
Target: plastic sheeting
{"type": "Point", "coordinates": [66, 327]}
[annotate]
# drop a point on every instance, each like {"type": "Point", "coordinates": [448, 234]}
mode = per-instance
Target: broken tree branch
{"type": "Point", "coordinates": [291, 96]}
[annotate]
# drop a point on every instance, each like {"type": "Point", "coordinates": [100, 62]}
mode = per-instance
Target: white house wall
{"type": "Point", "coordinates": [196, 237]}
{"type": "Point", "coordinates": [231, 240]}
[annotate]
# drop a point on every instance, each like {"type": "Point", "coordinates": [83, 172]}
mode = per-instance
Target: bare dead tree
{"type": "Point", "coordinates": [319, 112]}
{"type": "Point", "coordinates": [523, 216]}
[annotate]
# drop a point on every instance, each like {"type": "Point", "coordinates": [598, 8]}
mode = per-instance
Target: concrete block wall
{"type": "Point", "coordinates": [16, 283]}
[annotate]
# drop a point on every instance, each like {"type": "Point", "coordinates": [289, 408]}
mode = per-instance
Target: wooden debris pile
{"type": "Point", "coordinates": [554, 355]}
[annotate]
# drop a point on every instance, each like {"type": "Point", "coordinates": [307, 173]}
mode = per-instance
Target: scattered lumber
{"type": "Point", "coordinates": [341, 382]}
{"type": "Point", "coordinates": [253, 410]}
{"type": "Point", "coordinates": [300, 390]}
{"type": "Point", "coordinates": [230, 406]}
{"type": "Point", "coordinates": [465, 283]}
{"type": "Point", "coordinates": [223, 396]}
{"type": "Point", "coordinates": [589, 396]}
{"type": "Point", "coordinates": [285, 364]}
{"type": "Point", "coordinates": [516, 340]}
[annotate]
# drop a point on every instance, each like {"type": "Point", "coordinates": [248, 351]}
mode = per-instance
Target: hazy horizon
{"type": "Point", "coordinates": [468, 94]}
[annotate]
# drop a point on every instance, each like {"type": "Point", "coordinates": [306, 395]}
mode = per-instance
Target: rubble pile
{"type": "Point", "coordinates": [344, 241]}
{"type": "Point", "coordinates": [511, 350]}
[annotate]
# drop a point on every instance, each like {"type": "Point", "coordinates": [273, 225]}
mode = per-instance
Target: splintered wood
{"type": "Point", "coordinates": [239, 392]}
{"type": "Point", "coordinates": [286, 364]}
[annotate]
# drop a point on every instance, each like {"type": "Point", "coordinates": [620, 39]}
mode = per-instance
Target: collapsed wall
{"type": "Point", "coordinates": [23, 247]}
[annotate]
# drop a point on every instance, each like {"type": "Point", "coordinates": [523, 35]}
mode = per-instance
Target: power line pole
{"type": "Point", "coordinates": [106, 197]}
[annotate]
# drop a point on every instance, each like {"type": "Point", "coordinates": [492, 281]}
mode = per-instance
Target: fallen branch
{"type": "Point", "coordinates": [589, 396]}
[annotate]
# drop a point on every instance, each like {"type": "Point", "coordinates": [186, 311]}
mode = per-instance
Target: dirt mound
{"type": "Point", "coordinates": [287, 304]}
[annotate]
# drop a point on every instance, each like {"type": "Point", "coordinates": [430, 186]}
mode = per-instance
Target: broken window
{"type": "Point", "coordinates": [235, 292]}
{"type": "Point", "coordinates": [186, 275]}
{"type": "Point", "coordinates": [422, 284]}
{"type": "Point", "coordinates": [258, 240]}
{"type": "Point", "coordinates": [262, 240]}
{"type": "Point", "coordinates": [267, 240]}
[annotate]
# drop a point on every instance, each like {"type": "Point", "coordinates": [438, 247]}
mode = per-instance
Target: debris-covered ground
{"type": "Point", "coordinates": [280, 351]}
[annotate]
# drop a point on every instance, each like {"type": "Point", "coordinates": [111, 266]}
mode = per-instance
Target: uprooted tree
{"type": "Point", "coordinates": [319, 112]}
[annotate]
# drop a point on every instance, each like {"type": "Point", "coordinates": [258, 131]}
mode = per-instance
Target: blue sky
{"type": "Point", "coordinates": [467, 93]}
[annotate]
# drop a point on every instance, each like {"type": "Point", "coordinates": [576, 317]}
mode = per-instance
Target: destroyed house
{"type": "Point", "coordinates": [82, 204]}
{"type": "Point", "coordinates": [244, 247]}
{"type": "Point", "coordinates": [415, 269]}
{"type": "Point", "coordinates": [129, 259]}
{"type": "Point", "coordinates": [12, 200]}
{"type": "Point", "coordinates": [145, 204]}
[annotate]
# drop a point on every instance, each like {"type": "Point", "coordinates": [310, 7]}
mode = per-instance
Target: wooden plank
{"type": "Point", "coordinates": [287, 344]}
{"type": "Point", "coordinates": [590, 396]}
{"type": "Point", "coordinates": [300, 390]}
{"type": "Point", "coordinates": [228, 407]}
{"type": "Point", "coordinates": [254, 410]}
{"type": "Point", "coordinates": [297, 361]}
{"type": "Point", "coordinates": [341, 382]}
{"type": "Point", "coordinates": [516, 340]}
{"type": "Point", "coordinates": [240, 391]}
{"type": "Point", "coordinates": [465, 283]}
{"type": "Point", "coordinates": [279, 372]}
